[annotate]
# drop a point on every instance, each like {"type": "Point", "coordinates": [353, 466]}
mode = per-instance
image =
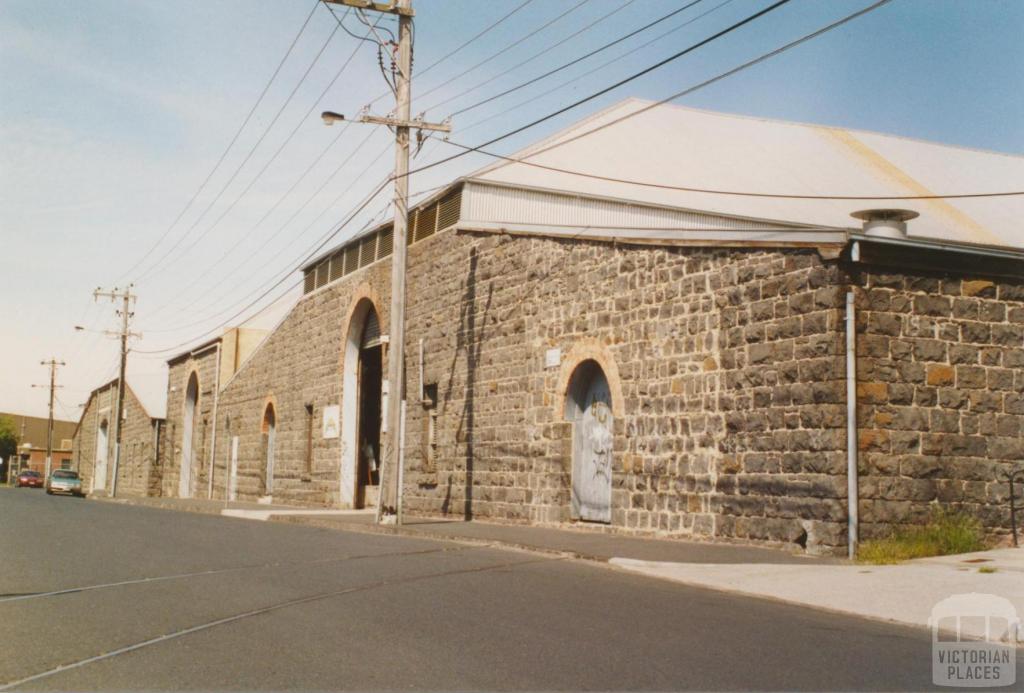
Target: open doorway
{"type": "Point", "coordinates": [362, 405]}
{"type": "Point", "coordinates": [370, 381]}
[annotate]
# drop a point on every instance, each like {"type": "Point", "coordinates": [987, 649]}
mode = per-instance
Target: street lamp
{"type": "Point", "coordinates": [330, 117]}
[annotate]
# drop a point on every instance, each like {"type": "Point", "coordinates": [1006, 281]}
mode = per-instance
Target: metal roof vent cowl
{"type": "Point", "coordinates": [885, 223]}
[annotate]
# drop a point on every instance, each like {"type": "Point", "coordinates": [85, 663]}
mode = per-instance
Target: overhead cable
{"type": "Point", "coordinates": [227, 149]}
{"type": "Point", "coordinates": [504, 50]}
{"type": "Point", "coordinates": [302, 120]}
{"type": "Point", "coordinates": [278, 232]}
{"type": "Point", "coordinates": [563, 66]}
{"type": "Point", "coordinates": [487, 29]}
{"type": "Point", "coordinates": [690, 90]}
{"type": "Point", "coordinates": [605, 90]}
{"type": "Point", "coordinates": [366, 201]}
{"type": "Point", "coordinates": [559, 87]}
{"type": "Point", "coordinates": [240, 166]}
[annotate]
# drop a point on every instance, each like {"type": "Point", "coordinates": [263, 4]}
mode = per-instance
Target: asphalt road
{"type": "Point", "coordinates": [97, 595]}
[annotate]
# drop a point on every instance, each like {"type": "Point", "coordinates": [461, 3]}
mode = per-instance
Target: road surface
{"type": "Point", "coordinates": [102, 596]}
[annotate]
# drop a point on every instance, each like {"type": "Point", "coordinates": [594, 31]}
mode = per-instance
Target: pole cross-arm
{"type": "Point", "coordinates": [388, 7]}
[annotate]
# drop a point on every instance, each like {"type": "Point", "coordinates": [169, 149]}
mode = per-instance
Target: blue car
{"type": "Point", "coordinates": [65, 481]}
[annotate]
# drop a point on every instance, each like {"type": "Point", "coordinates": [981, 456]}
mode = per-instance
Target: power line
{"type": "Point", "coordinates": [563, 66]}
{"type": "Point", "coordinates": [224, 154]}
{"type": "Point", "coordinates": [302, 120]}
{"type": "Point", "coordinates": [621, 82]}
{"type": "Point", "coordinates": [366, 201]}
{"type": "Point", "coordinates": [614, 86]}
{"type": "Point", "coordinates": [476, 37]}
{"type": "Point", "coordinates": [598, 68]}
{"type": "Point", "coordinates": [505, 49]}
{"type": "Point", "coordinates": [244, 237]}
{"type": "Point", "coordinates": [238, 170]}
{"type": "Point", "coordinates": [313, 252]}
{"type": "Point", "coordinates": [718, 78]}
{"type": "Point", "coordinates": [706, 83]}
{"type": "Point", "coordinates": [281, 228]}
{"type": "Point", "coordinates": [738, 193]}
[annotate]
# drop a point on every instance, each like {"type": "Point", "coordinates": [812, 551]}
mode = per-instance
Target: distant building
{"type": "Point", "coordinates": [643, 322]}
{"type": "Point", "coordinates": [31, 431]}
{"type": "Point", "coordinates": [138, 472]}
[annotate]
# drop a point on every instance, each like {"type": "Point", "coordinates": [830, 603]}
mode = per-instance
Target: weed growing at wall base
{"type": "Point", "coordinates": [946, 532]}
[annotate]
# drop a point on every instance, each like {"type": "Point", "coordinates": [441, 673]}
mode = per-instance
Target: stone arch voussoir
{"type": "Point", "coordinates": [589, 349]}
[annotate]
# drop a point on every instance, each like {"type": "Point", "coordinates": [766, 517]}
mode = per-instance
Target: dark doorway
{"type": "Point", "coordinates": [370, 381]}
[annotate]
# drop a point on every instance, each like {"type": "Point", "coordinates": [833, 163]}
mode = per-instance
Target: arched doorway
{"type": "Point", "coordinates": [362, 381]}
{"type": "Point", "coordinates": [99, 477]}
{"type": "Point", "coordinates": [269, 430]}
{"type": "Point", "coordinates": [588, 405]}
{"type": "Point", "coordinates": [188, 426]}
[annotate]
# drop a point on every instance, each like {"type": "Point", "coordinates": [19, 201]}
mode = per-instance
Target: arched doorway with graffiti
{"type": "Point", "coordinates": [588, 406]}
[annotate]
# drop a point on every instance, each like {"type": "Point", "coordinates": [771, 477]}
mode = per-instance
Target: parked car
{"type": "Point", "coordinates": [65, 481]}
{"type": "Point", "coordinates": [29, 478]}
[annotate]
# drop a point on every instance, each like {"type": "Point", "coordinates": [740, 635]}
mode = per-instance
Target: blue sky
{"type": "Point", "coordinates": [113, 112]}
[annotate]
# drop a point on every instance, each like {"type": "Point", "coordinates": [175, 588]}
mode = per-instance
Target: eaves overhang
{"type": "Point", "coordinates": [924, 254]}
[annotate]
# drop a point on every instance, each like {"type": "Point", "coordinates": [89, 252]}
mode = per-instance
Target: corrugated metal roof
{"type": "Point", "coordinates": [684, 147]}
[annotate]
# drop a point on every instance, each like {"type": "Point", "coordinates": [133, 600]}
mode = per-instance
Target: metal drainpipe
{"type": "Point", "coordinates": [213, 435]}
{"type": "Point", "coordinates": [851, 424]}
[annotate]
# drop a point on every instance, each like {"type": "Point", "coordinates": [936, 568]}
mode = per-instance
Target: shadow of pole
{"type": "Point", "coordinates": [470, 338]}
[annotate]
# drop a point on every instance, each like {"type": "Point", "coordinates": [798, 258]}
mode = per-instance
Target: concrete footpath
{"type": "Point", "coordinates": [904, 593]}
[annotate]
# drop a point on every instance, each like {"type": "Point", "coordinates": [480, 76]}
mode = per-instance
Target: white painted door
{"type": "Point", "coordinates": [99, 478]}
{"type": "Point", "coordinates": [270, 459]}
{"type": "Point", "coordinates": [185, 480]}
{"type": "Point", "coordinates": [188, 426]}
{"type": "Point", "coordinates": [592, 453]}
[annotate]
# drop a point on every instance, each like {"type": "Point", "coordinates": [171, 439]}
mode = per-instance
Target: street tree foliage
{"type": "Point", "coordinates": [8, 437]}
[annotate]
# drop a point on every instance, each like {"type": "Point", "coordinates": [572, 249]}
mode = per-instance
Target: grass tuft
{"type": "Point", "coordinates": [947, 532]}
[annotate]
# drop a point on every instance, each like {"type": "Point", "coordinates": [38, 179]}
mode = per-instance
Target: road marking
{"type": "Point", "coordinates": [263, 610]}
{"type": "Point", "coordinates": [216, 571]}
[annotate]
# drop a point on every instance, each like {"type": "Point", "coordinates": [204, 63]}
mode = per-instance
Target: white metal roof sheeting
{"type": "Point", "coordinates": [677, 146]}
{"type": "Point", "coordinates": [500, 207]}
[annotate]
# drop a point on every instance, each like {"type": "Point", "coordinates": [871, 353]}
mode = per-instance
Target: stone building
{"type": "Point", "coordinates": [190, 434]}
{"type": "Point", "coordinates": [590, 337]}
{"type": "Point", "coordinates": [139, 469]}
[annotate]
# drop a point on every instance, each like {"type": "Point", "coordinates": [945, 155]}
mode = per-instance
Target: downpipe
{"type": "Point", "coordinates": [212, 466]}
{"type": "Point", "coordinates": [852, 497]}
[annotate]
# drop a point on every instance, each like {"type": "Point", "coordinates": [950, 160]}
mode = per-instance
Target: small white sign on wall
{"type": "Point", "coordinates": [332, 421]}
{"type": "Point", "coordinates": [553, 358]}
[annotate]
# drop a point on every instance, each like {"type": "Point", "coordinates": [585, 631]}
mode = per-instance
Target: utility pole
{"type": "Point", "coordinates": [126, 297]}
{"type": "Point", "coordinates": [402, 123]}
{"type": "Point", "coordinates": [52, 363]}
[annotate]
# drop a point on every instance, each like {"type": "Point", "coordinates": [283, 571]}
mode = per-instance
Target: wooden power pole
{"type": "Point", "coordinates": [53, 364]}
{"type": "Point", "coordinates": [390, 504]}
{"type": "Point", "coordinates": [126, 296]}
